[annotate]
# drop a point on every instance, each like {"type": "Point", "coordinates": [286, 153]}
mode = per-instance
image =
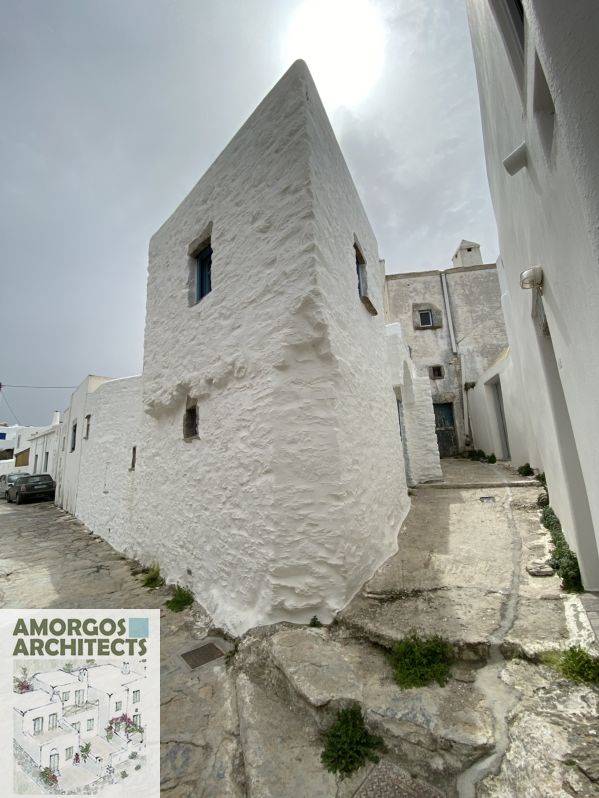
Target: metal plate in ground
{"type": "Point", "coordinates": [202, 655]}
{"type": "Point", "coordinates": [487, 499]}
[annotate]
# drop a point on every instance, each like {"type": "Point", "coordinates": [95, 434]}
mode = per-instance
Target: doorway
{"type": "Point", "coordinates": [445, 429]}
{"type": "Point", "coordinates": [497, 396]}
{"type": "Point", "coordinates": [584, 532]}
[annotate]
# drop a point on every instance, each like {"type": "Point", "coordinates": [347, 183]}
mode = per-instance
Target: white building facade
{"type": "Point", "coordinates": [259, 459]}
{"type": "Point", "coordinates": [537, 69]}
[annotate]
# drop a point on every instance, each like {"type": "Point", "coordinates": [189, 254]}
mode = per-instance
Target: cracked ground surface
{"type": "Point", "coordinates": [48, 559]}
{"type": "Point", "coordinates": [254, 729]}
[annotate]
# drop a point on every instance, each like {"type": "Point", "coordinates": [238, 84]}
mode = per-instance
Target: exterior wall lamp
{"type": "Point", "coordinates": [532, 278]}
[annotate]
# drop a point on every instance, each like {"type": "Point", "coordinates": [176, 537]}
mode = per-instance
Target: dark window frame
{"type": "Point", "coordinates": [133, 458]}
{"type": "Point", "coordinates": [430, 316]}
{"type": "Point", "coordinates": [203, 271]}
{"type": "Point", "coordinates": [73, 437]}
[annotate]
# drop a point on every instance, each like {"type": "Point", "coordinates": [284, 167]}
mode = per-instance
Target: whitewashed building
{"type": "Point", "coordinates": [453, 324]}
{"type": "Point", "coordinates": [537, 67]}
{"type": "Point", "coordinates": [258, 459]}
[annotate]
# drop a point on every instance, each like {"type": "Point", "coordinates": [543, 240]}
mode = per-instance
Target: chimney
{"type": "Point", "coordinates": [83, 675]}
{"type": "Point", "coordinates": [125, 668]}
{"type": "Point", "coordinates": [55, 417]}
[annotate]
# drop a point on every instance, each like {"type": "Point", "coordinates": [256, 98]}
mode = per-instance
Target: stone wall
{"type": "Point", "coordinates": [107, 482]}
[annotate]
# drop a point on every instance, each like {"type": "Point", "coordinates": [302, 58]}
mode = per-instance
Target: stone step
{"type": "Point", "coordinates": [435, 732]}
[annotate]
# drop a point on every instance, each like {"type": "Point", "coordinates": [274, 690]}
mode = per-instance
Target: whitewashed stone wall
{"type": "Point", "coordinates": [421, 453]}
{"type": "Point", "coordinates": [294, 491]}
{"type": "Point", "coordinates": [106, 496]}
{"type": "Point", "coordinates": [547, 211]}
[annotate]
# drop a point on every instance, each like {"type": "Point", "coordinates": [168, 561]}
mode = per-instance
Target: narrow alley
{"type": "Point", "coordinates": [504, 725]}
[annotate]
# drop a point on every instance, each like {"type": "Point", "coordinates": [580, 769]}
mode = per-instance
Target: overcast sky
{"type": "Point", "coordinates": [113, 109]}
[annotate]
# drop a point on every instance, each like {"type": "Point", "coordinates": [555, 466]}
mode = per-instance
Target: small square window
{"type": "Point", "coordinates": [38, 725]}
{"type": "Point", "coordinates": [90, 724]}
{"type": "Point", "coordinates": [118, 705]}
{"type": "Point", "coordinates": [136, 696]}
{"type": "Point", "coordinates": [426, 318]}
{"type": "Point", "coordinates": [68, 754]}
{"type": "Point", "coordinates": [190, 420]}
{"type": "Point", "coordinates": [436, 372]}
{"type": "Point", "coordinates": [66, 696]}
{"type": "Point", "coordinates": [203, 271]}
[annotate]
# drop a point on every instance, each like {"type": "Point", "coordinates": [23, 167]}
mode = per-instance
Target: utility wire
{"type": "Point", "coordinates": [3, 395]}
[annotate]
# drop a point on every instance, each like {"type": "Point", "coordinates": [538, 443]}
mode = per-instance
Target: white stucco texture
{"type": "Point", "coordinates": [294, 489]}
{"type": "Point", "coordinates": [547, 216]}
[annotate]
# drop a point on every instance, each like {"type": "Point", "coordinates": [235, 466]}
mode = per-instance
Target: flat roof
{"type": "Point", "coordinates": [57, 678]}
{"type": "Point", "coordinates": [449, 270]}
{"type": "Point", "coordinates": [110, 678]}
{"type": "Point", "coordinates": [33, 699]}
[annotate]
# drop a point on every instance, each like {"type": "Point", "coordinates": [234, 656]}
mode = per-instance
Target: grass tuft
{"type": "Point", "coordinates": [349, 744]}
{"type": "Point", "coordinates": [575, 664]}
{"type": "Point", "coordinates": [314, 622]}
{"type": "Point", "coordinates": [153, 578]}
{"type": "Point", "coordinates": [525, 470]}
{"type": "Point", "coordinates": [182, 597]}
{"type": "Point", "coordinates": [491, 459]}
{"type": "Point", "coordinates": [420, 661]}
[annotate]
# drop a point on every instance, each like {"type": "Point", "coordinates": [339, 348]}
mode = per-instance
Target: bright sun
{"type": "Point", "coordinates": [343, 42]}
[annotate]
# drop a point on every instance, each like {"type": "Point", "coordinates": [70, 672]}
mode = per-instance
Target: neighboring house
{"type": "Point", "coordinates": [537, 67]}
{"type": "Point", "coordinates": [266, 429]}
{"type": "Point", "coordinates": [453, 323]}
{"type": "Point", "coordinates": [43, 449]}
{"type": "Point", "coordinates": [67, 710]}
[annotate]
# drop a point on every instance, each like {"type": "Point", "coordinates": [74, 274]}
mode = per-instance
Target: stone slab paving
{"type": "Point", "coordinates": [48, 559]}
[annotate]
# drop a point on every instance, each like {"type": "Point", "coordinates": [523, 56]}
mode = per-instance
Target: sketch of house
{"type": "Point", "coordinates": [68, 710]}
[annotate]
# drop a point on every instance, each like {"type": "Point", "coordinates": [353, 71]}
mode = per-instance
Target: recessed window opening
{"type": "Point", "coordinates": [203, 271]}
{"type": "Point", "coordinates": [190, 420]}
{"type": "Point", "coordinates": [88, 419]}
{"type": "Point", "coordinates": [46, 456]}
{"type": "Point", "coordinates": [426, 318]}
{"type": "Point", "coordinates": [436, 372]}
{"type": "Point", "coordinates": [360, 270]}
{"type": "Point", "coordinates": [133, 458]}
{"type": "Point", "coordinates": [73, 436]}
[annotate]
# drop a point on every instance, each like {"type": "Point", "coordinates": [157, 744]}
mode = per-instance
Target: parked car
{"type": "Point", "coordinates": [6, 481]}
{"type": "Point", "coordinates": [38, 486]}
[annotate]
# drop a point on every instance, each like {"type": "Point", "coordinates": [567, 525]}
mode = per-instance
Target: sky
{"type": "Point", "coordinates": [113, 109]}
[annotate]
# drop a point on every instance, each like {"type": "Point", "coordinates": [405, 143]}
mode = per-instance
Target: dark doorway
{"type": "Point", "coordinates": [495, 386]}
{"type": "Point", "coordinates": [445, 429]}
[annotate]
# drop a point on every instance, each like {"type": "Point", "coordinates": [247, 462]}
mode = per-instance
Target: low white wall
{"type": "Point", "coordinates": [106, 489]}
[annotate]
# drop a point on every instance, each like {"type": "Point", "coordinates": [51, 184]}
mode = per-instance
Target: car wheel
{"type": "Point", "coordinates": [8, 499]}
{"type": "Point", "coordinates": [18, 499]}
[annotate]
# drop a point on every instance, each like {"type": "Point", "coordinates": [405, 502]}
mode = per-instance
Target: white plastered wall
{"type": "Point", "coordinates": [547, 215]}
{"type": "Point", "coordinates": [294, 490]}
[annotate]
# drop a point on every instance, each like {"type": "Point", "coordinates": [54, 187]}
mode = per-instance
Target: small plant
{"type": "Point", "coordinates": [563, 560]}
{"type": "Point", "coordinates": [314, 622]}
{"type": "Point", "coordinates": [85, 751]}
{"type": "Point", "coordinates": [68, 667]}
{"type": "Point", "coordinates": [133, 755]}
{"type": "Point", "coordinates": [542, 479]}
{"type": "Point", "coordinates": [419, 661]}
{"type": "Point", "coordinates": [152, 578]}
{"type": "Point", "coordinates": [230, 655]}
{"type": "Point", "coordinates": [491, 459]}
{"type": "Point", "coordinates": [182, 597]}
{"type": "Point", "coordinates": [349, 744]}
{"type": "Point", "coordinates": [138, 767]}
{"type": "Point", "coordinates": [48, 777]}
{"type": "Point", "coordinates": [525, 470]}
{"type": "Point", "coordinates": [124, 774]}
{"type": "Point", "coordinates": [543, 499]}
{"type": "Point", "coordinates": [22, 683]}
{"type": "Point", "coordinates": [576, 664]}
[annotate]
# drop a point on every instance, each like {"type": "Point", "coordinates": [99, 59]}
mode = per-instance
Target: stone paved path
{"type": "Point", "coordinates": [253, 728]}
{"type": "Point", "coordinates": [48, 559]}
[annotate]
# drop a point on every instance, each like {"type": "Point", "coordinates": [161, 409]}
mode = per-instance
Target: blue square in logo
{"type": "Point", "coordinates": [139, 627]}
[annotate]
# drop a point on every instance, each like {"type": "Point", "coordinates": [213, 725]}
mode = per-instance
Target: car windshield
{"type": "Point", "coordinates": [14, 477]}
{"type": "Point", "coordinates": [38, 478]}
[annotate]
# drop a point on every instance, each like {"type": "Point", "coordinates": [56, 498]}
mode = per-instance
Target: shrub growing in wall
{"type": "Point", "coordinates": [563, 559]}
{"type": "Point", "coordinates": [349, 744]}
{"type": "Point", "coordinates": [525, 470]}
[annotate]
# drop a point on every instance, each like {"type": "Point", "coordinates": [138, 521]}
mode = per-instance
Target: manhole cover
{"type": "Point", "coordinates": [201, 655]}
{"type": "Point", "coordinates": [487, 498]}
